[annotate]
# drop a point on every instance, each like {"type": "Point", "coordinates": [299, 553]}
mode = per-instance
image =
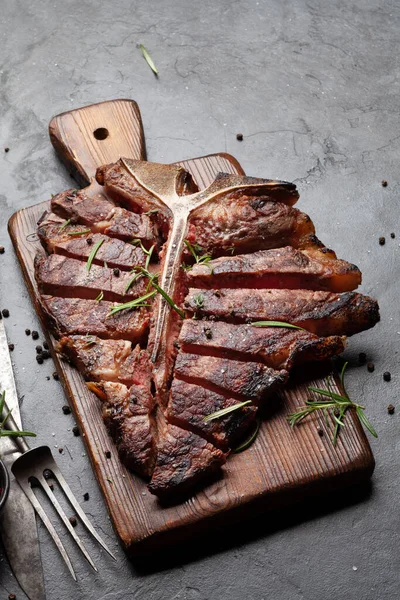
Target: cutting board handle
{"type": "Point", "coordinates": [89, 137]}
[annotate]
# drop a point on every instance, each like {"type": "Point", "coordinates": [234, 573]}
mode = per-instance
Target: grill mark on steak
{"type": "Point", "coordinates": [231, 378]}
{"type": "Point", "coordinates": [74, 316]}
{"type": "Point", "coordinates": [60, 276]}
{"type": "Point", "coordinates": [278, 268]}
{"type": "Point", "coordinates": [104, 217]}
{"type": "Point", "coordinates": [189, 404]}
{"type": "Point", "coordinates": [115, 252]}
{"type": "Point", "coordinates": [278, 348]}
{"type": "Point", "coordinates": [321, 313]}
{"type": "Point", "coordinates": [184, 460]}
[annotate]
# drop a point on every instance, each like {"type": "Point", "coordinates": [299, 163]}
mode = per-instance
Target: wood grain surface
{"type": "Point", "coordinates": [282, 465]}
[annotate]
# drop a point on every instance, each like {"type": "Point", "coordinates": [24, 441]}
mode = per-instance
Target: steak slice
{"type": "Point", "coordinates": [96, 359]}
{"type": "Point", "coordinates": [189, 404]}
{"type": "Point", "coordinates": [103, 216]}
{"type": "Point", "coordinates": [74, 316]}
{"type": "Point", "coordinates": [231, 378]}
{"type": "Point", "coordinates": [239, 223]}
{"type": "Point", "coordinates": [279, 268]}
{"type": "Point", "coordinates": [184, 460]}
{"type": "Point", "coordinates": [128, 415]}
{"type": "Point", "coordinates": [76, 241]}
{"type": "Point", "coordinates": [321, 313]}
{"type": "Point", "coordinates": [60, 276]}
{"type": "Point", "coordinates": [277, 347]}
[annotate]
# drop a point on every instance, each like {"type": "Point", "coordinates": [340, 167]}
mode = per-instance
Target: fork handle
{"type": "Point", "coordinates": [11, 425]}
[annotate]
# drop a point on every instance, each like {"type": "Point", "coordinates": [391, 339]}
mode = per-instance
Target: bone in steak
{"type": "Point", "coordinates": [155, 396]}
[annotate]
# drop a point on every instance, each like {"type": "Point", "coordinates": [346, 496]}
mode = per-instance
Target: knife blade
{"type": "Point", "coordinates": [18, 529]}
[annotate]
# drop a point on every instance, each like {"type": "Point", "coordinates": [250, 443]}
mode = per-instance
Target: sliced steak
{"type": "Point", "coordinates": [74, 316]}
{"type": "Point", "coordinates": [60, 276]}
{"type": "Point", "coordinates": [322, 313]}
{"type": "Point", "coordinates": [96, 359]}
{"type": "Point", "coordinates": [279, 268]}
{"type": "Point", "coordinates": [232, 378]}
{"type": "Point", "coordinates": [189, 404]}
{"type": "Point", "coordinates": [184, 460]}
{"type": "Point", "coordinates": [128, 415]}
{"type": "Point", "coordinates": [278, 348]}
{"type": "Point", "coordinates": [103, 216]}
{"type": "Point", "coordinates": [76, 241]}
{"type": "Point", "coordinates": [238, 224]}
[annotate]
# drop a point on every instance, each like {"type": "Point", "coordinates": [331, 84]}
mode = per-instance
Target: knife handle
{"type": "Point", "coordinates": [11, 425]}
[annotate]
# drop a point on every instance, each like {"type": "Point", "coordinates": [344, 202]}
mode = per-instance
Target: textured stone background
{"type": "Point", "coordinates": [314, 88]}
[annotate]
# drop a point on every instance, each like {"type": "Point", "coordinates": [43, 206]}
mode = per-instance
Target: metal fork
{"type": "Point", "coordinates": [31, 467]}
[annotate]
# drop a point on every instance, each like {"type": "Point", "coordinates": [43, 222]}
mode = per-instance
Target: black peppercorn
{"type": "Point", "coordinates": [1, 249]}
{"type": "Point", "coordinates": [11, 596]}
{"type": "Point", "coordinates": [362, 358]}
{"type": "Point", "coordinates": [384, 183]}
{"type": "Point", "coordinates": [382, 241]}
{"type": "Point", "coordinates": [35, 335]}
{"type": "Point", "coordinates": [27, 331]}
{"type": "Point", "coordinates": [86, 496]}
{"type": "Point", "coordinates": [89, 241]}
{"type": "Point", "coordinates": [55, 376]}
{"type": "Point", "coordinates": [5, 312]}
{"type": "Point", "coordinates": [392, 235]}
{"type": "Point", "coordinates": [11, 347]}
{"type": "Point", "coordinates": [239, 137]}
{"type": "Point", "coordinates": [371, 367]}
{"type": "Point", "coordinates": [387, 376]}
{"type": "Point", "coordinates": [66, 409]}
{"type": "Point", "coordinates": [39, 349]}
{"type": "Point", "coordinates": [75, 431]}
{"type": "Point", "coordinates": [320, 432]}
{"type": "Point", "coordinates": [107, 453]}
{"type": "Point", "coordinates": [45, 354]}
{"type": "Point", "coordinates": [39, 359]}
{"type": "Point", "coordinates": [61, 450]}
{"type": "Point", "coordinates": [6, 149]}
{"type": "Point", "coordinates": [390, 409]}
{"type": "Point", "coordinates": [73, 521]}
{"type": "Point", "coordinates": [116, 272]}
{"type": "Point", "coordinates": [45, 345]}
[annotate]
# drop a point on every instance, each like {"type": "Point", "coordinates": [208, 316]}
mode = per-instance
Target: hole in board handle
{"type": "Point", "coordinates": [101, 133]}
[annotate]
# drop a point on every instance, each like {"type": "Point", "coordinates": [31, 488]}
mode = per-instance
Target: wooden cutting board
{"type": "Point", "coordinates": [282, 465]}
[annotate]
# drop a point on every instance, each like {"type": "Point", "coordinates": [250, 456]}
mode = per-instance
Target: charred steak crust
{"type": "Point", "coordinates": [159, 376]}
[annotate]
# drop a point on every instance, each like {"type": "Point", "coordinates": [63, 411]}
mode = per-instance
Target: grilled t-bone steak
{"type": "Point", "coordinates": [209, 265]}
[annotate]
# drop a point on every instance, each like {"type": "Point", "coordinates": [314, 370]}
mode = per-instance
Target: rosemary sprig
{"type": "Point", "coordinates": [153, 283]}
{"type": "Point", "coordinates": [148, 59]}
{"type": "Point", "coordinates": [64, 225]}
{"type": "Point", "coordinates": [247, 443]}
{"type": "Point", "coordinates": [336, 407]}
{"type": "Point", "coordinates": [83, 232]}
{"type": "Point", "coordinates": [100, 296]}
{"type": "Point", "coordinates": [225, 411]}
{"type": "Point", "coordinates": [137, 303]}
{"type": "Point", "coordinates": [146, 264]}
{"type": "Point", "coordinates": [7, 432]}
{"type": "Point", "coordinates": [194, 250]}
{"type": "Point", "coordinates": [93, 254]}
{"type": "Point", "coordinates": [198, 299]}
{"type": "Point", "coordinates": [276, 324]}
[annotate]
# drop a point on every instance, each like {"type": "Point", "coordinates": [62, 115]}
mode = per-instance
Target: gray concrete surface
{"type": "Point", "coordinates": [314, 87]}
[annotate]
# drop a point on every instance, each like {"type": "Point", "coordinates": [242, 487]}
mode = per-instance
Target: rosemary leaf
{"type": "Point", "coordinates": [365, 421]}
{"type": "Point", "coordinates": [137, 303]}
{"type": "Point", "coordinates": [148, 59]}
{"type": "Point", "coordinates": [9, 433]}
{"type": "Point", "coordinates": [198, 299]}
{"type": "Point", "coordinates": [75, 233]}
{"type": "Point", "coordinates": [168, 299]}
{"type": "Point", "coordinates": [276, 324]}
{"type": "Point", "coordinates": [64, 225]}
{"type": "Point", "coordinates": [250, 440]}
{"type": "Point", "coordinates": [93, 254]}
{"type": "Point", "coordinates": [100, 296]}
{"type": "Point", "coordinates": [225, 411]}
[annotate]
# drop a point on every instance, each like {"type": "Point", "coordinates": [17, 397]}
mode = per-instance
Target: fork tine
{"type": "Point", "coordinates": [67, 490]}
{"type": "Point", "coordinates": [24, 483]}
{"type": "Point", "coordinates": [65, 520]}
